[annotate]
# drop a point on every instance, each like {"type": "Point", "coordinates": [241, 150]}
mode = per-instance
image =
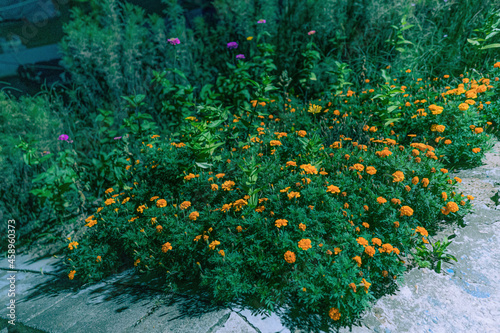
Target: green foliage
{"type": "Point", "coordinates": [435, 256]}
{"type": "Point", "coordinates": [231, 201]}
{"type": "Point", "coordinates": [33, 123]}
{"type": "Point", "coordinates": [219, 172]}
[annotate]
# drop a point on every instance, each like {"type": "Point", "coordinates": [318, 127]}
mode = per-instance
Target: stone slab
{"type": "Point", "coordinates": [236, 324]}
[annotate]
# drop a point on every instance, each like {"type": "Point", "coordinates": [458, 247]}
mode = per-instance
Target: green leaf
{"type": "Point", "coordinates": [313, 77]}
{"type": "Point", "coordinates": [473, 42]}
{"type": "Point", "coordinates": [438, 267]}
{"type": "Point", "coordinates": [203, 165]}
{"type": "Point", "coordinates": [491, 46]}
{"type": "Point", "coordinates": [392, 108]}
{"type": "Point", "coordinates": [491, 35]}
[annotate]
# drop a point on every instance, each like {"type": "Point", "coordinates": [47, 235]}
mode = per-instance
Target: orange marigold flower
{"type": "Point", "coordinates": [213, 244]}
{"type": "Point", "coordinates": [239, 228]}
{"type": "Point", "coordinates": [302, 226]}
{"type": "Point", "coordinates": [440, 128]}
{"type": "Point", "coordinates": [226, 186]}
{"type": "Point", "coordinates": [362, 241]}
{"type": "Point", "coordinates": [71, 275]}
{"type": "Point", "coordinates": [365, 207]}
{"type": "Point", "coordinates": [396, 224]}
{"type": "Point", "coordinates": [275, 143]}
{"type": "Point", "coordinates": [226, 207]}
{"type": "Point", "coordinates": [309, 169]}
{"type": "Point", "coordinates": [334, 313]}
{"type": "Point", "coordinates": [291, 163]}
{"type": "Point", "coordinates": [366, 225]}
{"type": "Point", "coordinates": [329, 252]}
{"type": "Point", "coordinates": [189, 176]}
{"type": "Point", "coordinates": [165, 247]}
{"type": "Point", "coordinates": [398, 176]}
{"type": "Point", "coordinates": [381, 200]}
{"type": "Point", "coordinates": [305, 244]}
{"type": "Point", "coordinates": [98, 259]}
{"type": "Point", "coordinates": [333, 189]}
{"type": "Point", "coordinates": [194, 215]}
{"type": "Point", "coordinates": [366, 285]}
{"type": "Point", "coordinates": [358, 260]}
{"type": "Point", "coordinates": [280, 223]}
{"type": "Point", "coordinates": [161, 203]}
{"type": "Point", "coordinates": [377, 241]}
{"type": "Point", "coordinates": [214, 187]}
{"type": "Point", "coordinates": [452, 207]}
{"type": "Point", "coordinates": [435, 109]}
{"type": "Point", "coordinates": [422, 231]}
{"type": "Point", "coordinates": [292, 195]}
{"type": "Point", "coordinates": [260, 209]}
{"type": "Point", "coordinates": [159, 228]}
{"type": "Point", "coordinates": [238, 204]}
{"type": "Point", "coordinates": [109, 190]}
{"type": "Point", "coordinates": [425, 182]}
{"type": "Point", "coordinates": [302, 133]}
{"type": "Point", "coordinates": [396, 201]}
{"type": "Point", "coordinates": [141, 208]}
{"type": "Point", "coordinates": [444, 170]}
{"type": "Point", "coordinates": [371, 170]}
{"type": "Point", "coordinates": [387, 248]}
{"type": "Point", "coordinates": [478, 130]}
{"type": "Point", "coordinates": [476, 150]}
{"type": "Point", "coordinates": [289, 257]}
{"type": "Point", "coordinates": [463, 107]}
{"type": "Point", "coordinates": [185, 205]}
{"type": "Point", "coordinates": [73, 245]}
{"type": "Point", "coordinates": [109, 202]}
{"type": "Point", "coordinates": [137, 262]}
{"type": "Point", "coordinates": [337, 250]}
{"type": "Point", "coordinates": [406, 211]}
{"type": "Point", "coordinates": [353, 286]}
{"type": "Point", "coordinates": [369, 250]}
{"type": "Point", "coordinates": [359, 167]}
{"type": "Point", "coordinates": [91, 223]}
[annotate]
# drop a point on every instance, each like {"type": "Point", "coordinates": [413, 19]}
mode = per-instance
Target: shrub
{"type": "Point", "coordinates": [293, 204]}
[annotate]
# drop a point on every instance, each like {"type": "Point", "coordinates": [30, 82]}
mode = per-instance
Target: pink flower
{"type": "Point", "coordinates": [312, 32]}
{"type": "Point", "coordinates": [174, 41]}
{"type": "Point", "coordinates": [240, 56]}
{"type": "Point", "coordinates": [232, 45]}
{"type": "Point", "coordinates": [261, 21]}
{"type": "Point", "coordinates": [63, 137]}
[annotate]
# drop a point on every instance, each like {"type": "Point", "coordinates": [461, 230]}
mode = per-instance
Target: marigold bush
{"type": "Point", "coordinates": [301, 220]}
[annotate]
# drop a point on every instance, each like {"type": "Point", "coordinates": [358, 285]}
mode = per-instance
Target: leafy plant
{"type": "Point", "coordinates": [436, 256]}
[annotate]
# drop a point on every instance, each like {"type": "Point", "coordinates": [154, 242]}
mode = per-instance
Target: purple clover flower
{"type": "Point", "coordinates": [261, 21]}
{"type": "Point", "coordinates": [240, 56]}
{"type": "Point", "coordinates": [232, 45]}
{"type": "Point", "coordinates": [63, 137]}
{"type": "Point", "coordinates": [117, 138]}
{"type": "Point", "coordinates": [174, 41]}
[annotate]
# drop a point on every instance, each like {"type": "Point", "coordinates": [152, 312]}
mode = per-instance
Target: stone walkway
{"type": "Point", "coordinates": [465, 298]}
